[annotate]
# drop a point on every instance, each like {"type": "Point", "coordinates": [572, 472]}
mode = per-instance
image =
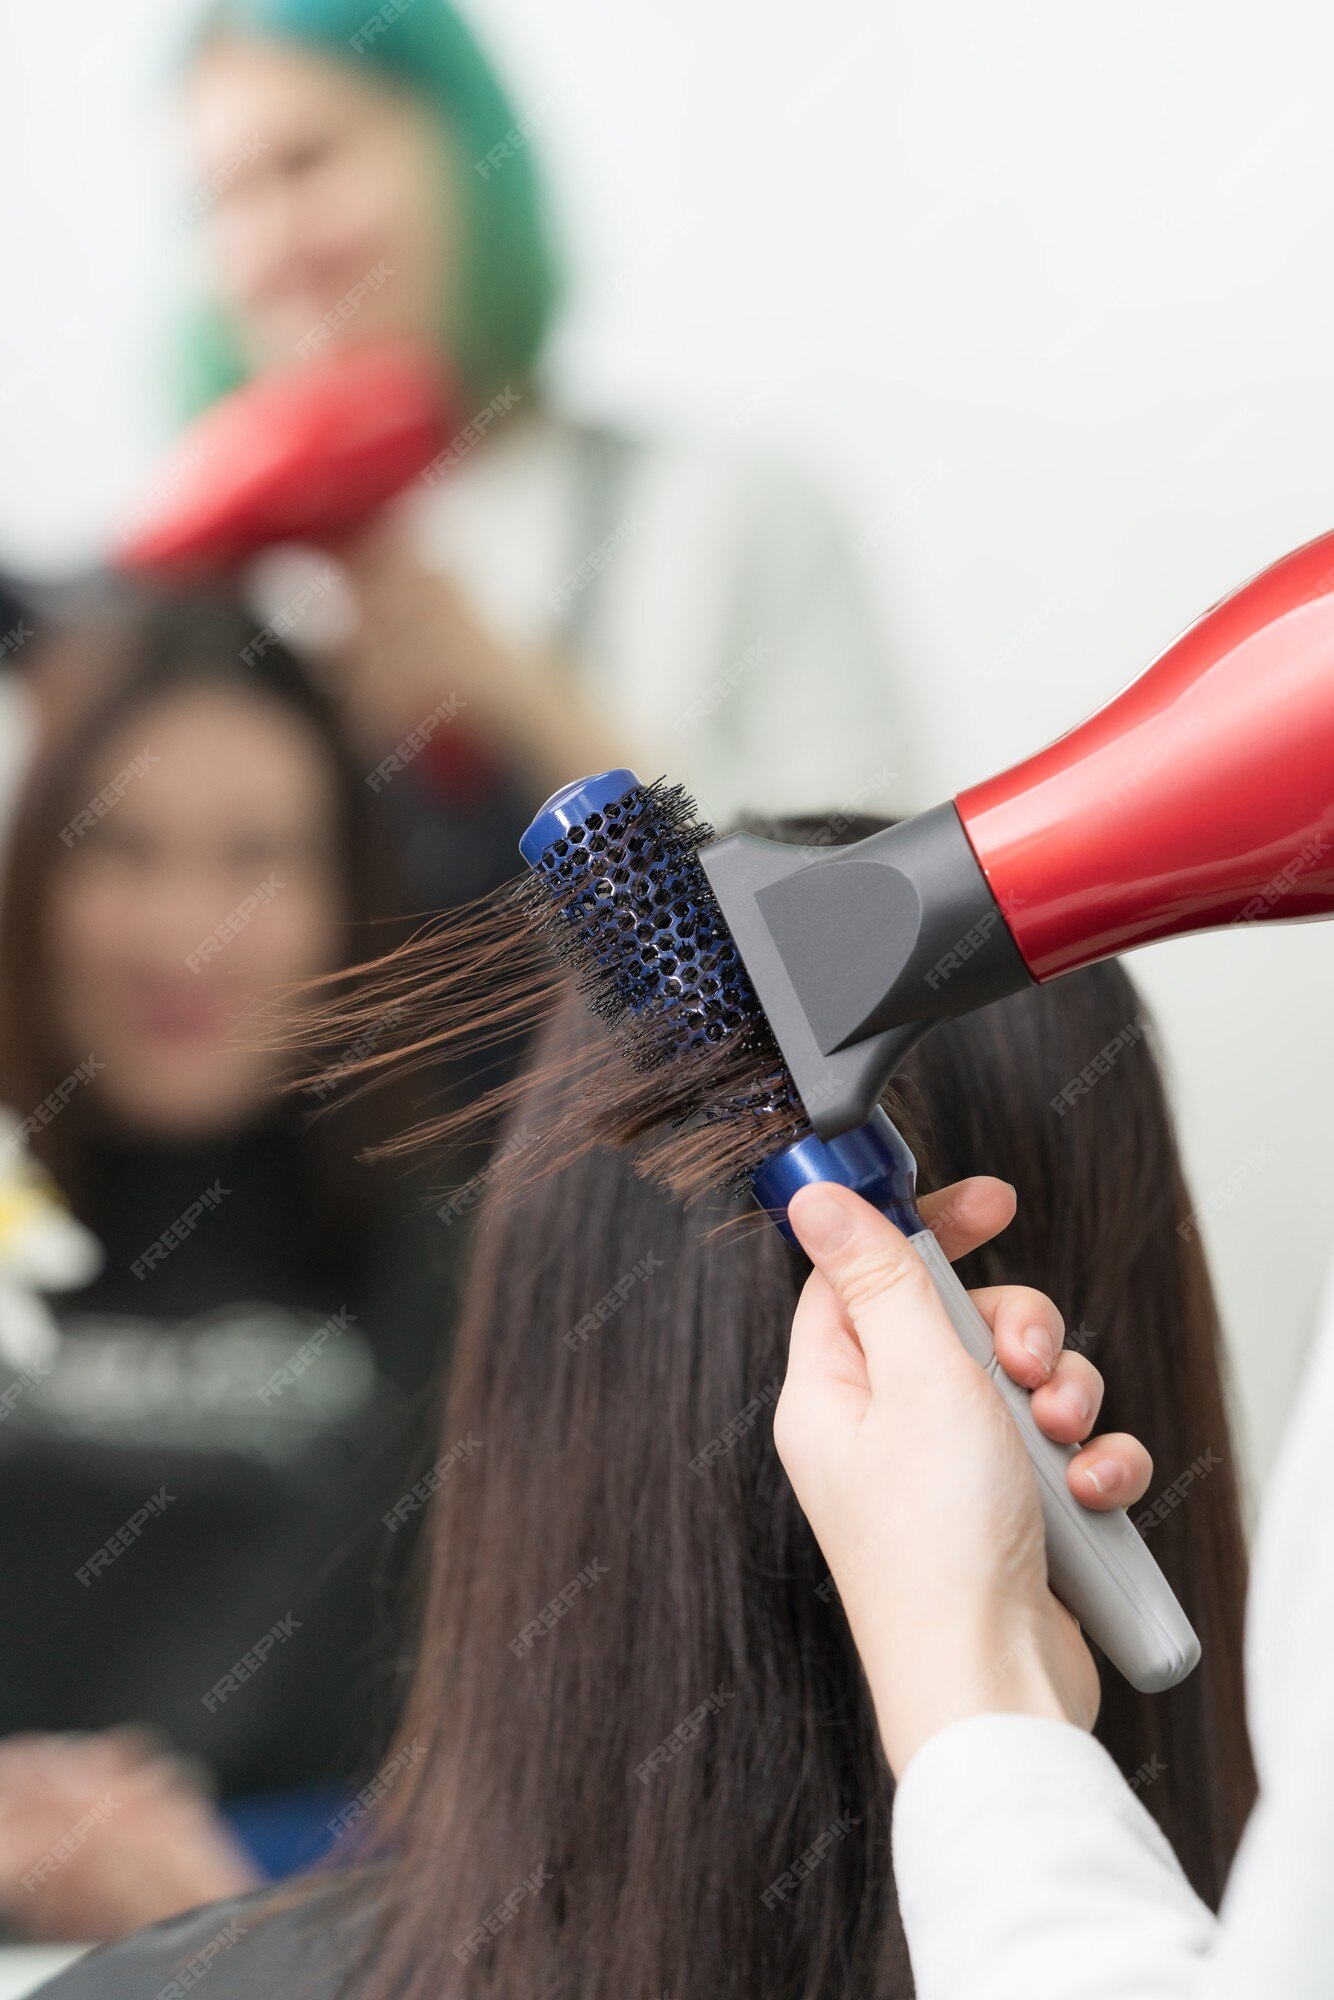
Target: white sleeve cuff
{"type": "Point", "coordinates": [1027, 1869]}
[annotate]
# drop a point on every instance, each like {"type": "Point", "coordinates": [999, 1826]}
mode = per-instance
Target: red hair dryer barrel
{"type": "Point", "coordinates": [1203, 795]}
{"type": "Point", "coordinates": [303, 455]}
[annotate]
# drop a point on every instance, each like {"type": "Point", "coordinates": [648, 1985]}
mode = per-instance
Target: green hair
{"type": "Point", "coordinates": [503, 293]}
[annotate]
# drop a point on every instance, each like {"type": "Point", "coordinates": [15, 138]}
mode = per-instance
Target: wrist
{"type": "Point", "coordinates": [919, 1690]}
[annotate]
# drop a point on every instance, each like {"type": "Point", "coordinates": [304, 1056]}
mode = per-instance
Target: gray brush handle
{"type": "Point", "coordinates": [1098, 1565]}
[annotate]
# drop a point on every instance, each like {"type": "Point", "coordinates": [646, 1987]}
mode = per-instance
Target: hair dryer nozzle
{"type": "Point", "coordinates": [855, 952]}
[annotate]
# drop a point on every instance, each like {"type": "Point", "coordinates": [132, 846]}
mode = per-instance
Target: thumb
{"type": "Point", "coordinates": [882, 1286]}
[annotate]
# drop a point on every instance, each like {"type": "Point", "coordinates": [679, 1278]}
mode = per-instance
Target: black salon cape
{"type": "Point", "coordinates": [297, 1943]}
{"type": "Point", "coordinates": [255, 1615]}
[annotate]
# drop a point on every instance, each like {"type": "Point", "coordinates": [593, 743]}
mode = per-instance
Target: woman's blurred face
{"type": "Point", "coordinates": [211, 879]}
{"type": "Point", "coordinates": [323, 200]}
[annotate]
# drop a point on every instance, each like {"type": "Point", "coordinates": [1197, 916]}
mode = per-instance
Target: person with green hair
{"type": "Point", "coordinates": [493, 306]}
{"type": "Point", "coordinates": [589, 597]}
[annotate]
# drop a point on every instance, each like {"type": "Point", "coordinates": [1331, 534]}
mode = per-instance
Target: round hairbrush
{"type": "Point", "coordinates": [302, 455]}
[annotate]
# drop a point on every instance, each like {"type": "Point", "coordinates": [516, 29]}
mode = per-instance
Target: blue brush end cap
{"type": "Point", "coordinates": [874, 1160]}
{"type": "Point", "coordinates": [570, 806]}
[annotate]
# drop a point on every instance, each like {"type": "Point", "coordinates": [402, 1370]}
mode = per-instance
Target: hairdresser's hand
{"type": "Point", "coordinates": [426, 655]}
{"type": "Point", "coordinates": [915, 1480]}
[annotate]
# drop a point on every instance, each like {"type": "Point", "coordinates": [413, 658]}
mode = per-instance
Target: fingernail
{"type": "Point", "coordinates": [820, 1219]}
{"type": "Point", "coordinates": [1075, 1400]}
{"type": "Point", "coordinates": [1105, 1475]}
{"type": "Point", "coordinates": [1041, 1344]}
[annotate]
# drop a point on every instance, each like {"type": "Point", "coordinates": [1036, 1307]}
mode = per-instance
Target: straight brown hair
{"type": "Point", "coordinates": [639, 1754]}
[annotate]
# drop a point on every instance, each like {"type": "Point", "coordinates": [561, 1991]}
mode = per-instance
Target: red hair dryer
{"type": "Point", "coordinates": [1202, 796]}
{"type": "Point", "coordinates": [303, 455]}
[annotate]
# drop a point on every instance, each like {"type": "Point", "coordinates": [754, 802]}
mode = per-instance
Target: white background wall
{"type": "Point", "coordinates": [1043, 291]}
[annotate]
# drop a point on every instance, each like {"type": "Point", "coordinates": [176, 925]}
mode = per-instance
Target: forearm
{"type": "Point", "coordinates": [427, 647]}
{"type": "Point", "coordinates": [529, 706]}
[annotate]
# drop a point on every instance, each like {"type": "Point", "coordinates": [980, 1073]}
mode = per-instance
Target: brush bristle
{"type": "Point", "coordinates": [625, 904]}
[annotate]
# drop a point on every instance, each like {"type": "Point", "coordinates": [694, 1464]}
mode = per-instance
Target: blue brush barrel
{"type": "Point", "coordinates": [874, 1159]}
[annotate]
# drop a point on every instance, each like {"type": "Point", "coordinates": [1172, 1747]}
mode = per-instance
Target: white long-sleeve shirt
{"type": "Point", "coordinates": [1027, 1870]}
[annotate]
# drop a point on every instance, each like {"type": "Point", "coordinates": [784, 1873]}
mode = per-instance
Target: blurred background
{"type": "Point", "coordinates": [1037, 296]}
{"type": "Point", "coordinates": [1029, 304]}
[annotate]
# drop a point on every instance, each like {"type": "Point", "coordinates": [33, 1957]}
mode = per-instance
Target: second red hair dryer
{"type": "Point", "coordinates": [1202, 796]}
{"type": "Point", "coordinates": [306, 454]}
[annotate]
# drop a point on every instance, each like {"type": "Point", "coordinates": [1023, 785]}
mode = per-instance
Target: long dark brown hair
{"type": "Point", "coordinates": [639, 1755]}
